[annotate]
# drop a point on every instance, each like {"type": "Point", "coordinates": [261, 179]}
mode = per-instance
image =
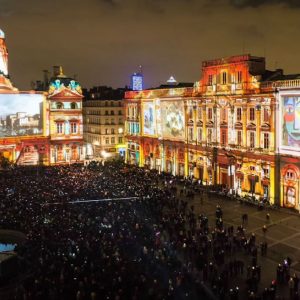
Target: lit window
{"type": "Point", "coordinates": [224, 78]}
{"type": "Point", "coordinates": [266, 141]}
{"type": "Point", "coordinates": [290, 175]}
{"type": "Point", "coordinates": [210, 79]}
{"type": "Point", "coordinates": [210, 113]}
{"type": "Point", "coordinates": [199, 134]}
{"type": "Point", "coordinates": [200, 113]}
{"type": "Point", "coordinates": [209, 135]}
{"type": "Point", "coordinates": [239, 76]}
{"type": "Point", "coordinates": [239, 137]}
{"type": "Point", "coordinates": [73, 127]}
{"type": "Point", "coordinates": [252, 139]}
{"type": "Point", "coordinates": [266, 115]}
{"type": "Point", "coordinates": [59, 127]}
{"type": "Point", "coordinates": [190, 134]}
{"type": "Point", "coordinates": [239, 114]}
{"type": "Point", "coordinates": [223, 137]}
{"type": "Point", "coordinates": [223, 114]}
{"type": "Point", "coordinates": [252, 114]}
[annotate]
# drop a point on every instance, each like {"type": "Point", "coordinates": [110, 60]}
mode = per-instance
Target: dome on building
{"type": "Point", "coordinates": [2, 35]}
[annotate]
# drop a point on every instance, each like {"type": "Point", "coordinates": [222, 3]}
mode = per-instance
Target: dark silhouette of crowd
{"type": "Point", "coordinates": [140, 242]}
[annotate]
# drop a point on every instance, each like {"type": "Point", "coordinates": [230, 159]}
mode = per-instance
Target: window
{"type": "Point", "coordinates": [120, 121]}
{"type": "Point", "coordinates": [200, 113]}
{"type": "Point", "coordinates": [199, 134]}
{"type": "Point", "coordinates": [266, 172]}
{"type": "Point", "coordinates": [223, 137]}
{"type": "Point", "coordinates": [224, 78]}
{"type": "Point", "coordinates": [209, 135]}
{"type": "Point", "coordinates": [252, 114]}
{"type": "Point", "coordinates": [210, 113]}
{"type": "Point", "coordinates": [73, 105]}
{"type": "Point", "coordinates": [59, 127]}
{"type": "Point", "coordinates": [112, 131]}
{"type": "Point", "coordinates": [59, 105]}
{"type": "Point", "coordinates": [106, 112]}
{"type": "Point", "coordinates": [210, 79]}
{"type": "Point", "coordinates": [190, 136]}
{"type": "Point", "coordinates": [73, 127]}
{"type": "Point", "coordinates": [239, 76]}
{"type": "Point", "coordinates": [239, 114]}
{"type": "Point", "coordinates": [120, 140]}
{"type": "Point", "coordinates": [252, 139]}
{"type": "Point", "coordinates": [223, 114]}
{"type": "Point", "coordinates": [239, 137]}
{"type": "Point", "coordinates": [112, 112]}
{"type": "Point", "coordinates": [106, 122]}
{"type": "Point", "coordinates": [120, 112]}
{"type": "Point", "coordinates": [107, 141]}
{"type": "Point", "coordinates": [266, 115]}
{"type": "Point", "coordinates": [113, 140]}
{"type": "Point", "coordinates": [290, 175]}
{"type": "Point", "coordinates": [266, 140]}
{"type": "Point", "coordinates": [106, 130]}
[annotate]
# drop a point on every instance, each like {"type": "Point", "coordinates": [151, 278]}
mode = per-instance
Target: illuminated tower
{"type": "Point", "coordinates": [137, 80]}
{"type": "Point", "coordinates": [3, 55]}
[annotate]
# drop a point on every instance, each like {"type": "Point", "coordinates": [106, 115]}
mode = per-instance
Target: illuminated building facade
{"type": "Point", "coordinates": [65, 119]}
{"type": "Point", "coordinates": [221, 131]}
{"type": "Point", "coordinates": [287, 93]}
{"type": "Point", "coordinates": [40, 127]}
{"type": "Point", "coordinates": [103, 113]}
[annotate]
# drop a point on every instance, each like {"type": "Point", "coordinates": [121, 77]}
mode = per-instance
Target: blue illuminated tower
{"type": "Point", "coordinates": [137, 80]}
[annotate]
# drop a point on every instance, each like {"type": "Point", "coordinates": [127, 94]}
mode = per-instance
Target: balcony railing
{"type": "Point", "coordinates": [286, 84]}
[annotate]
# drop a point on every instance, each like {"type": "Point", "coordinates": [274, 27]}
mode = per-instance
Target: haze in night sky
{"type": "Point", "coordinates": [104, 41]}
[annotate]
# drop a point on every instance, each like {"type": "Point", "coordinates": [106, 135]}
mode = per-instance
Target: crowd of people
{"type": "Point", "coordinates": [117, 232]}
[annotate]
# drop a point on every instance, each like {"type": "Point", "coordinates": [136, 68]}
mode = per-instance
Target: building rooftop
{"type": "Point", "coordinates": [104, 93]}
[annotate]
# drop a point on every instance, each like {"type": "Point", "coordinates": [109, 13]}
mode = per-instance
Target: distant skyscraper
{"type": "Point", "coordinates": [137, 80]}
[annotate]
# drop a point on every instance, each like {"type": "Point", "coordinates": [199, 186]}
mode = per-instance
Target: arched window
{"type": "Point", "coordinates": [59, 105]}
{"type": "Point", "coordinates": [290, 175]}
{"type": "Point", "coordinates": [73, 105]}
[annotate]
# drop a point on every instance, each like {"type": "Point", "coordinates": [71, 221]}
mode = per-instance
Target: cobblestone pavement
{"type": "Point", "coordinates": [282, 236]}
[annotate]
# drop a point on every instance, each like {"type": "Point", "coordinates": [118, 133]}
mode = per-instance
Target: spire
{"type": "Point", "coordinates": [61, 73]}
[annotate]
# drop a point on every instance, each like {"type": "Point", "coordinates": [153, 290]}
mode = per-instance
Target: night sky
{"type": "Point", "coordinates": [104, 41]}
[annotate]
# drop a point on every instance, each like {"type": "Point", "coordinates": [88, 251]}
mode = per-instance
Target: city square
{"type": "Point", "coordinates": [149, 150]}
{"type": "Point", "coordinates": [65, 205]}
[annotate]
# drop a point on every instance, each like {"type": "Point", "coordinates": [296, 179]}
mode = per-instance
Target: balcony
{"type": "Point", "coordinates": [283, 84]}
